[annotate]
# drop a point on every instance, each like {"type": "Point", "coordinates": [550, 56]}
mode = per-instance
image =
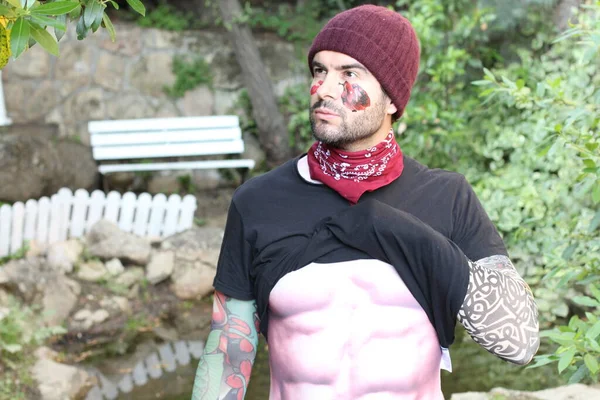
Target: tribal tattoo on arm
{"type": "Point", "coordinates": [224, 369]}
{"type": "Point", "coordinates": [499, 311]}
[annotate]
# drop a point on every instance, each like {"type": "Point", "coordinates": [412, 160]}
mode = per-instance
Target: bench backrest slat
{"type": "Point", "coordinates": [163, 124]}
{"type": "Point", "coordinates": [152, 137]}
{"type": "Point", "coordinates": [168, 150]}
{"type": "Point", "coordinates": [165, 137]}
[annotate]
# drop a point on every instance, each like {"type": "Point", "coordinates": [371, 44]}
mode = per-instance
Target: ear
{"type": "Point", "coordinates": [391, 108]}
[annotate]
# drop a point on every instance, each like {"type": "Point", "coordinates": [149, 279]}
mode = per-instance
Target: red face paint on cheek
{"type": "Point", "coordinates": [315, 87]}
{"type": "Point", "coordinates": [355, 98]}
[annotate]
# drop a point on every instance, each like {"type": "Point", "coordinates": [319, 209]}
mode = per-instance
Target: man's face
{"type": "Point", "coordinates": [347, 104]}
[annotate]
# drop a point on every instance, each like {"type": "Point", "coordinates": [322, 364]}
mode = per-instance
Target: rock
{"type": "Point", "coordinates": [100, 316]}
{"type": "Point", "coordinates": [569, 392]}
{"type": "Point", "coordinates": [62, 256]}
{"type": "Point", "coordinates": [110, 71]}
{"type": "Point", "coordinates": [192, 281]}
{"type": "Point", "coordinates": [59, 299]}
{"type": "Point", "coordinates": [59, 381]}
{"type": "Point", "coordinates": [196, 102]}
{"type": "Point", "coordinates": [130, 277]}
{"type": "Point", "coordinates": [36, 249]}
{"type": "Point", "coordinates": [160, 266]}
{"type": "Point", "coordinates": [82, 315]}
{"type": "Point", "coordinates": [152, 73]}
{"type": "Point", "coordinates": [196, 254]}
{"type": "Point", "coordinates": [115, 267]}
{"type": "Point", "coordinates": [92, 271]}
{"type": "Point", "coordinates": [56, 293]}
{"type": "Point", "coordinates": [34, 166]}
{"type": "Point", "coordinates": [116, 304]}
{"type": "Point", "coordinates": [106, 241]}
{"type": "Point", "coordinates": [34, 63]}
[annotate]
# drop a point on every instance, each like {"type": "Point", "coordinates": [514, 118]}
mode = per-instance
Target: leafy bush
{"type": "Point", "coordinates": [27, 22]}
{"type": "Point", "coordinates": [166, 17]}
{"type": "Point", "coordinates": [189, 74]}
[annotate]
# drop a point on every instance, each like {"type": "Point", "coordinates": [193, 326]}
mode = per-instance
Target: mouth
{"type": "Point", "coordinates": [324, 113]}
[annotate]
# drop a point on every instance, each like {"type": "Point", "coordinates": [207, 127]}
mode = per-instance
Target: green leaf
{"type": "Point", "coordinates": [489, 74]}
{"type": "Point", "coordinates": [109, 27]}
{"type": "Point", "coordinates": [44, 39]}
{"type": "Point", "coordinates": [6, 11]}
{"type": "Point", "coordinates": [481, 82]}
{"type": "Point", "coordinates": [81, 30]}
{"type": "Point", "coordinates": [591, 362]}
{"type": "Point", "coordinates": [15, 3]}
{"type": "Point", "coordinates": [520, 83]}
{"type": "Point", "coordinates": [114, 4]}
{"type": "Point", "coordinates": [542, 360]}
{"type": "Point", "coordinates": [578, 376]}
{"type": "Point", "coordinates": [593, 332]}
{"type": "Point", "coordinates": [594, 223]}
{"type": "Point", "coordinates": [568, 253]}
{"type": "Point", "coordinates": [591, 146]}
{"type": "Point", "coordinates": [58, 8]}
{"type": "Point", "coordinates": [589, 163]}
{"type": "Point", "coordinates": [92, 12]}
{"type": "Point", "coordinates": [596, 192]}
{"type": "Point", "coordinates": [43, 20]}
{"type": "Point", "coordinates": [595, 291]}
{"type": "Point", "coordinates": [565, 360]}
{"type": "Point", "coordinates": [586, 301]}
{"type": "Point", "coordinates": [58, 32]}
{"type": "Point", "coordinates": [19, 37]}
{"type": "Point", "coordinates": [29, 3]}
{"type": "Point", "coordinates": [137, 6]}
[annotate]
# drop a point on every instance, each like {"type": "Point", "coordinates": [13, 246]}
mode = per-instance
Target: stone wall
{"type": "Point", "coordinates": [97, 79]}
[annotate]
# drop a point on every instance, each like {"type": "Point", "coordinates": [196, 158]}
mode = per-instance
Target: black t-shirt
{"type": "Point", "coordinates": [424, 224]}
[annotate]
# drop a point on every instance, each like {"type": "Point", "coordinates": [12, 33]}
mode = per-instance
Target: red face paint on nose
{"type": "Point", "coordinates": [355, 98]}
{"type": "Point", "coordinates": [315, 87]}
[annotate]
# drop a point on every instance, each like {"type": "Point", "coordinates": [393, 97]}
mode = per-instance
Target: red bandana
{"type": "Point", "coordinates": [353, 173]}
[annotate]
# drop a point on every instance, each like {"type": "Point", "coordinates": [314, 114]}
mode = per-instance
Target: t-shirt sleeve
{"type": "Point", "coordinates": [235, 259]}
{"type": "Point", "coordinates": [473, 231]}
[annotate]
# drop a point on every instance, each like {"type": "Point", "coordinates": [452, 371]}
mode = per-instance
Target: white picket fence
{"type": "Point", "coordinates": [71, 215]}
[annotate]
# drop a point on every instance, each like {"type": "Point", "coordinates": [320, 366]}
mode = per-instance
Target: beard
{"type": "Point", "coordinates": [353, 126]}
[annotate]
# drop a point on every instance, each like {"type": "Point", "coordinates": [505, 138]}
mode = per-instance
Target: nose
{"type": "Point", "coordinates": [330, 88]}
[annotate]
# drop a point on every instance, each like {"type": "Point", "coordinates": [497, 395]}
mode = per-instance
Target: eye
{"type": "Point", "coordinates": [318, 70]}
{"type": "Point", "coordinates": [350, 74]}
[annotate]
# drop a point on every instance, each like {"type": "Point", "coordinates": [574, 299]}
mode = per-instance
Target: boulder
{"type": "Point", "coordinates": [60, 381]}
{"type": "Point", "coordinates": [32, 166]}
{"type": "Point", "coordinates": [62, 256]}
{"type": "Point", "coordinates": [106, 241]}
{"type": "Point", "coordinates": [160, 266]}
{"type": "Point", "coordinates": [196, 254]}
{"type": "Point", "coordinates": [56, 293]}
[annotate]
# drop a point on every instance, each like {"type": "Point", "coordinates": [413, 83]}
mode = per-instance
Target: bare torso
{"type": "Point", "coordinates": [350, 331]}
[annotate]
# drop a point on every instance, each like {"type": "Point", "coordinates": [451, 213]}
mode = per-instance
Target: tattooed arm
{"type": "Point", "coordinates": [499, 311]}
{"type": "Point", "coordinates": [224, 368]}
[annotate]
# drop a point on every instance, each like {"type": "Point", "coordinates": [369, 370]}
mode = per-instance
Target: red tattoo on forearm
{"type": "Point", "coordinates": [233, 342]}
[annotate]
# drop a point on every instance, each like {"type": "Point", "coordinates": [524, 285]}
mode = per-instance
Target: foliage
{"type": "Point", "coordinates": [16, 255]}
{"type": "Point", "coordinates": [558, 101]}
{"type": "Point", "coordinates": [167, 17]}
{"type": "Point", "coordinates": [28, 21]}
{"type": "Point", "coordinates": [189, 74]}
{"type": "Point", "coordinates": [21, 331]}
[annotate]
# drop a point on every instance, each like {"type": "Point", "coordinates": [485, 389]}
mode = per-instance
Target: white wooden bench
{"type": "Point", "coordinates": [163, 138]}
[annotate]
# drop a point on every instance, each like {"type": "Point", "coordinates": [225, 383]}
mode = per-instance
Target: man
{"type": "Point", "coordinates": [354, 260]}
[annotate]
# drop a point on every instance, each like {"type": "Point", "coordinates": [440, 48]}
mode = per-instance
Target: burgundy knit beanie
{"type": "Point", "coordinates": [380, 39]}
